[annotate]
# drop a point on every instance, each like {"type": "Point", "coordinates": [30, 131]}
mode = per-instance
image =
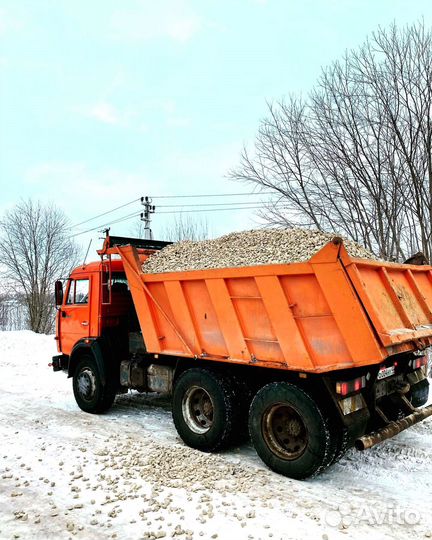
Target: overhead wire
{"type": "Point", "coordinates": [203, 204]}
{"type": "Point", "coordinates": [113, 222]}
{"type": "Point", "coordinates": [211, 195]}
{"type": "Point", "coordinates": [210, 210]}
{"type": "Point", "coordinates": [169, 197]}
{"type": "Point", "coordinates": [104, 213]}
{"type": "Point", "coordinates": [198, 207]}
{"type": "Point", "coordinates": [136, 214]}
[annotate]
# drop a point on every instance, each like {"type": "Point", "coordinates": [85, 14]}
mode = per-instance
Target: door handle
{"type": "Point", "coordinates": [84, 323]}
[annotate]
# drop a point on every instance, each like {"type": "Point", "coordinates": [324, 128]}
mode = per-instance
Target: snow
{"type": "Point", "coordinates": [126, 474]}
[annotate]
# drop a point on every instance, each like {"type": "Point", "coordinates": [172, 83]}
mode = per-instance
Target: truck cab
{"type": "Point", "coordinates": [96, 322]}
{"type": "Point", "coordinates": [95, 302]}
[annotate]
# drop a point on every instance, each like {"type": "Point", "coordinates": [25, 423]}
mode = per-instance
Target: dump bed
{"type": "Point", "coordinates": [331, 312]}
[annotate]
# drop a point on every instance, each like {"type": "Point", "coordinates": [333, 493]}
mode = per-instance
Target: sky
{"type": "Point", "coordinates": [102, 101]}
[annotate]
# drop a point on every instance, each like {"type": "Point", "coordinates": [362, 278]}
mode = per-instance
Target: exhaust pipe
{"type": "Point", "coordinates": [392, 429]}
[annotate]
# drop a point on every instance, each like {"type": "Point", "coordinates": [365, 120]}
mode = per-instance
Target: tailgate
{"type": "Point", "coordinates": [396, 297]}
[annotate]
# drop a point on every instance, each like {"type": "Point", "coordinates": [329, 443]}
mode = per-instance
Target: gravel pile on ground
{"type": "Point", "coordinates": [176, 467]}
{"type": "Point", "coordinates": [247, 248]}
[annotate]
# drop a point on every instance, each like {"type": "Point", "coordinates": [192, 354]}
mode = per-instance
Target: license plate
{"type": "Point", "coordinates": [385, 372]}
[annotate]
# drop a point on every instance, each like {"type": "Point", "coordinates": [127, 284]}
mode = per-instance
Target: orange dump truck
{"type": "Point", "coordinates": [308, 358]}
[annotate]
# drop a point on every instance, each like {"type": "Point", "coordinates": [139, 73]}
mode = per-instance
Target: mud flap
{"type": "Point", "coordinates": [419, 393]}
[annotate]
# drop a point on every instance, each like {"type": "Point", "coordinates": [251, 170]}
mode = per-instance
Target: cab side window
{"type": "Point", "coordinates": [78, 292]}
{"type": "Point", "coordinates": [81, 291]}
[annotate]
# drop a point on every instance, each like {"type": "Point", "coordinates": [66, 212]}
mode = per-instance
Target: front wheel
{"type": "Point", "coordinates": [91, 394]}
{"type": "Point", "coordinates": [289, 431]}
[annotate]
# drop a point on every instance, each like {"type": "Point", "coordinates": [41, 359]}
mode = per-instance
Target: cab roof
{"type": "Point", "coordinates": [96, 266]}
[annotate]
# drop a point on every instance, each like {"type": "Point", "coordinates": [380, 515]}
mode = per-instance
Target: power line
{"type": "Point", "coordinates": [104, 213]}
{"type": "Point", "coordinates": [136, 214]}
{"type": "Point", "coordinates": [204, 204]}
{"type": "Point", "coordinates": [171, 197]}
{"type": "Point", "coordinates": [212, 195]}
{"type": "Point", "coordinates": [211, 209]}
{"type": "Point", "coordinates": [194, 205]}
{"type": "Point", "coordinates": [119, 220]}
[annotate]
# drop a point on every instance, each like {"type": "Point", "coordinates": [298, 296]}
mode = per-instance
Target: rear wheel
{"type": "Point", "coordinates": [204, 409]}
{"type": "Point", "coordinates": [91, 394]}
{"type": "Point", "coordinates": [289, 431]}
{"type": "Point", "coordinates": [338, 440]}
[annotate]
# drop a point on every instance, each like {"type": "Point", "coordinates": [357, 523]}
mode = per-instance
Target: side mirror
{"type": "Point", "coordinates": [58, 293]}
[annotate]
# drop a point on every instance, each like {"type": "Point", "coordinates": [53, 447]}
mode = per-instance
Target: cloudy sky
{"type": "Point", "coordinates": [104, 101]}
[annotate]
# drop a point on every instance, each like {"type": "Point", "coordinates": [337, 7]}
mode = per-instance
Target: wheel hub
{"type": "Point", "coordinates": [292, 427]}
{"type": "Point", "coordinates": [86, 384]}
{"type": "Point", "coordinates": [284, 431]}
{"type": "Point", "coordinates": [198, 409]}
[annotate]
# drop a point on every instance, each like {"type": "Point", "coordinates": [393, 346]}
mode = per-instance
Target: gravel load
{"type": "Point", "coordinates": [246, 248]}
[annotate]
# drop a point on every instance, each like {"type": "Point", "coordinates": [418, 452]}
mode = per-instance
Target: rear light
{"type": "Point", "coordinates": [346, 387]}
{"type": "Point", "coordinates": [419, 362]}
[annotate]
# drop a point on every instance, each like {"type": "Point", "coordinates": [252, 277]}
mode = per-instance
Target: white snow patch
{"type": "Point", "coordinates": [126, 474]}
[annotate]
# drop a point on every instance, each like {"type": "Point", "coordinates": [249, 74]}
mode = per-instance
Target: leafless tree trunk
{"type": "Point", "coordinates": [3, 312]}
{"type": "Point", "coordinates": [35, 250]}
{"type": "Point", "coordinates": [355, 156]}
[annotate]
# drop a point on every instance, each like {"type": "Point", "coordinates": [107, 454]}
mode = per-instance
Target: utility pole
{"type": "Point", "coordinates": [149, 209]}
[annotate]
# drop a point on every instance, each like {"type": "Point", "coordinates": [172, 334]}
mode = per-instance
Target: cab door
{"type": "Point", "coordinates": [74, 316]}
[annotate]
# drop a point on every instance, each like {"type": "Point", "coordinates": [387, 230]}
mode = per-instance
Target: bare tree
{"type": "Point", "coordinates": [186, 227]}
{"type": "Point", "coordinates": [182, 227]}
{"type": "Point", "coordinates": [12, 312]}
{"type": "Point", "coordinates": [35, 250]}
{"type": "Point", "coordinates": [355, 156]}
{"type": "Point", "coordinates": [138, 229]}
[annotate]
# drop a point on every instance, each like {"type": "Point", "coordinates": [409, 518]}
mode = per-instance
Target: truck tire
{"type": "Point", "coordinates": [204, 409]}
{"type": "Point", "coordinates": [338, 443]}
{"type": "Point", "coordinates": [90, 393]}
{"type": "Point", "coordinates": [289, 431]}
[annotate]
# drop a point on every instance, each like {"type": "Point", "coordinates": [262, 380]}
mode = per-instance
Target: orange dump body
{"type": "Point", "coordinates": [331, 312]}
